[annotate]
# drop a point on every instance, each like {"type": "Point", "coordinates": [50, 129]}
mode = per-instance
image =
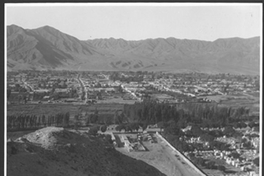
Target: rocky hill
{"type": "Point", "coordinates": [54, 151]}
{"type": "Point", "coordinates": [48, 48]}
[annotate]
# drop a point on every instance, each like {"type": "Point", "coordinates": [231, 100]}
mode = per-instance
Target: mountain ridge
{"type": "Point", "coordinates": [48, 48]}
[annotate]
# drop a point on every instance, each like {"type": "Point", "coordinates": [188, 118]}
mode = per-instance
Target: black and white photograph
{"type": "Point", "coordinates": [133, 89]}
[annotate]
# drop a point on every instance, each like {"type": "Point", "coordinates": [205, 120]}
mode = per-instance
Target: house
{"type": "Point", "coordinates": [42, 90]}
{"type": "Point", "coordinates": [237, 164]}
{"type": "Point", "coordinates": [59, 90]}
{"type": "Point", "coordinates": [253, 173]}
{"type": "Point", "coordinates": [46, 97]}
{"type": "Point", "coordinates": [228, 160]}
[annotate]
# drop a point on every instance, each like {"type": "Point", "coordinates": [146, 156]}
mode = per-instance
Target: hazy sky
{"type": "Point", "coordinates": [141, 21]}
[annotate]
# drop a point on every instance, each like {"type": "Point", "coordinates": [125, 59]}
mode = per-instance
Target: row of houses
{"type": "Point", "coordinates": [244, 164]}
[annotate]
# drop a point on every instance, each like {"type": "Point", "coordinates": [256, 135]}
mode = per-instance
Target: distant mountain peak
{"type": "Point", "coordinates": [49, 29]}
{"type": "Point", "coordinates": [13, 26]}
{"type": "Point", "coordinates": [11, 29]}
{"type": "Point", "coordinates": [49, 48]}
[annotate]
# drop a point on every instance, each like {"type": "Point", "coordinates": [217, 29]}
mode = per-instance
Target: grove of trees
{"type": "Point", "coordinates": [34, 121]}
{"type": "Point", "coordinates": [202, 114]}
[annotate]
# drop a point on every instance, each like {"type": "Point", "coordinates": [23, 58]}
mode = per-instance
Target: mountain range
{"type": "Point", "coordinates": [47, 48]}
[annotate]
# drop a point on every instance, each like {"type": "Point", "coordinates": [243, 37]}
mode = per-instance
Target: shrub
{"type": "Point", "coordinates": [103, 128]}
{"type": "Point", "coordinates": [93, 130]}
{"type": "Point", "coordinates": [235, 155]}
{"type": "Point", "coordinates": [201, 161]}
{"type": "Point", "coordinates": [251, 124]}
{"type": "Point", "coordinates": [221, 168]}
{"type": "Point", "coordinates": [256, 161]}
{"type": "Point", "coordinates": [120, 127]}
{"type": "Point", "coordinates": [207, 137]}
{"type": "Point", "coordinates": [196, 130]}
{"type": "Point", "coordinates": [108, 138]}
{"type": "Point", "coordinates": [210, 165]}
{"type": "Point", "coordinates": [229, 131]}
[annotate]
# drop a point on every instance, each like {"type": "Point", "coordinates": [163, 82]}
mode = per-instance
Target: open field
{"type": "Point", "coordinates": [16, 134]}
{"type": "Point", "coordinates": [51, 109]}
{"type": "Point", "coordinates": [118, 100]}
{"type": "Point", "coordinates": [244, 100]}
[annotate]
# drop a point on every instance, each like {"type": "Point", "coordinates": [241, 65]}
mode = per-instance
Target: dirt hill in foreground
{"type": "Point", "coordinates": [55, 151]}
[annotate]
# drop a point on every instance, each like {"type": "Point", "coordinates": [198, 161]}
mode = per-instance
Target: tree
{"type": "Point", "coordinates": [118, 118]}
{"type": "Point", "coordinates": [103, 128]}
{"type": "Point", "coordinates": [128, 128]}
{"type": "Point", "coordinates": [93, 118]}
{"type": "Point", "coordinates": [191, 155]}
{"type": "Point", "coordinates": [210, 165]}
{"type": "Point", "coordinates": [207, 137]}
{"type": "Point", "coordinates": [120, 128]}
{"type": "Point", "coordinates": [134, 126]}
{"type": "Point", "coordinates": [108, 138]}
{"type": "Point", "coordinates": [161, 125]}
{"type": "Point", "coordinates": [8, 93]}
{"type": "Point", "coordinates": [196, 130]}
{"type": "Point", "coordinates": [93, 130]}
{"type": "Point", "coordinates": [229, 131]}
{"type": "Point", "coordinates": [221, 168]}
{"type": "Point", "coordinates": [76, 121]}
{"type": "Point", "coordinates": [235, 155]}
{"type": "Point", "coordinates": [247, 144]}
{"type": "Point", "coordinates": [251, 124]}
{"type": "Point", "coordinates": [256, 129]}
{"type": "Point", "coordinates": [182, 123]}
{"type": "Point", "coordinates": [108, 120]}
{"type": "Point", "coordinates": [256, 161]}
{"type": "Point", "coordinates": [216, 133]}
{"type": "Point", "coordinates": [243, 124]}
{"type": "Point", "coordinates": [201, 161]}
{"type": "Point", "coordinates": [144, 126]}
{"type": "Point", "coordinates": [172, 129]}
{"type": "Point", "coordinates": [240, 125]}
{"type": "Point", "coordinates": [66, 119]}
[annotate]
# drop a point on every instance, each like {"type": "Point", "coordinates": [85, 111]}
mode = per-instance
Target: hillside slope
{"type": "Point", "coordinates": [54, 151]}
{"type": "Point", "coordinates": [223, 55]}
{"type": "Point", "coordinates": [48, 48]}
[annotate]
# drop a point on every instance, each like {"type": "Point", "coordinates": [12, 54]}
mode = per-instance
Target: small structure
{"type": "Point", "coordinates": [46, 97]}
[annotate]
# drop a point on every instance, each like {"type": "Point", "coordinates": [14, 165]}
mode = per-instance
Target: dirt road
{"type": "Point", "coordinates": [161, 156]}
{"type": "Point", "coordinates": [181, 165]}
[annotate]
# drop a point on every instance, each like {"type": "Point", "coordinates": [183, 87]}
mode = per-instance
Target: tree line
{"type": "Point", "coordinates": [20, 122]}
{"type": "Point", "coordinates": [204, 114]}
